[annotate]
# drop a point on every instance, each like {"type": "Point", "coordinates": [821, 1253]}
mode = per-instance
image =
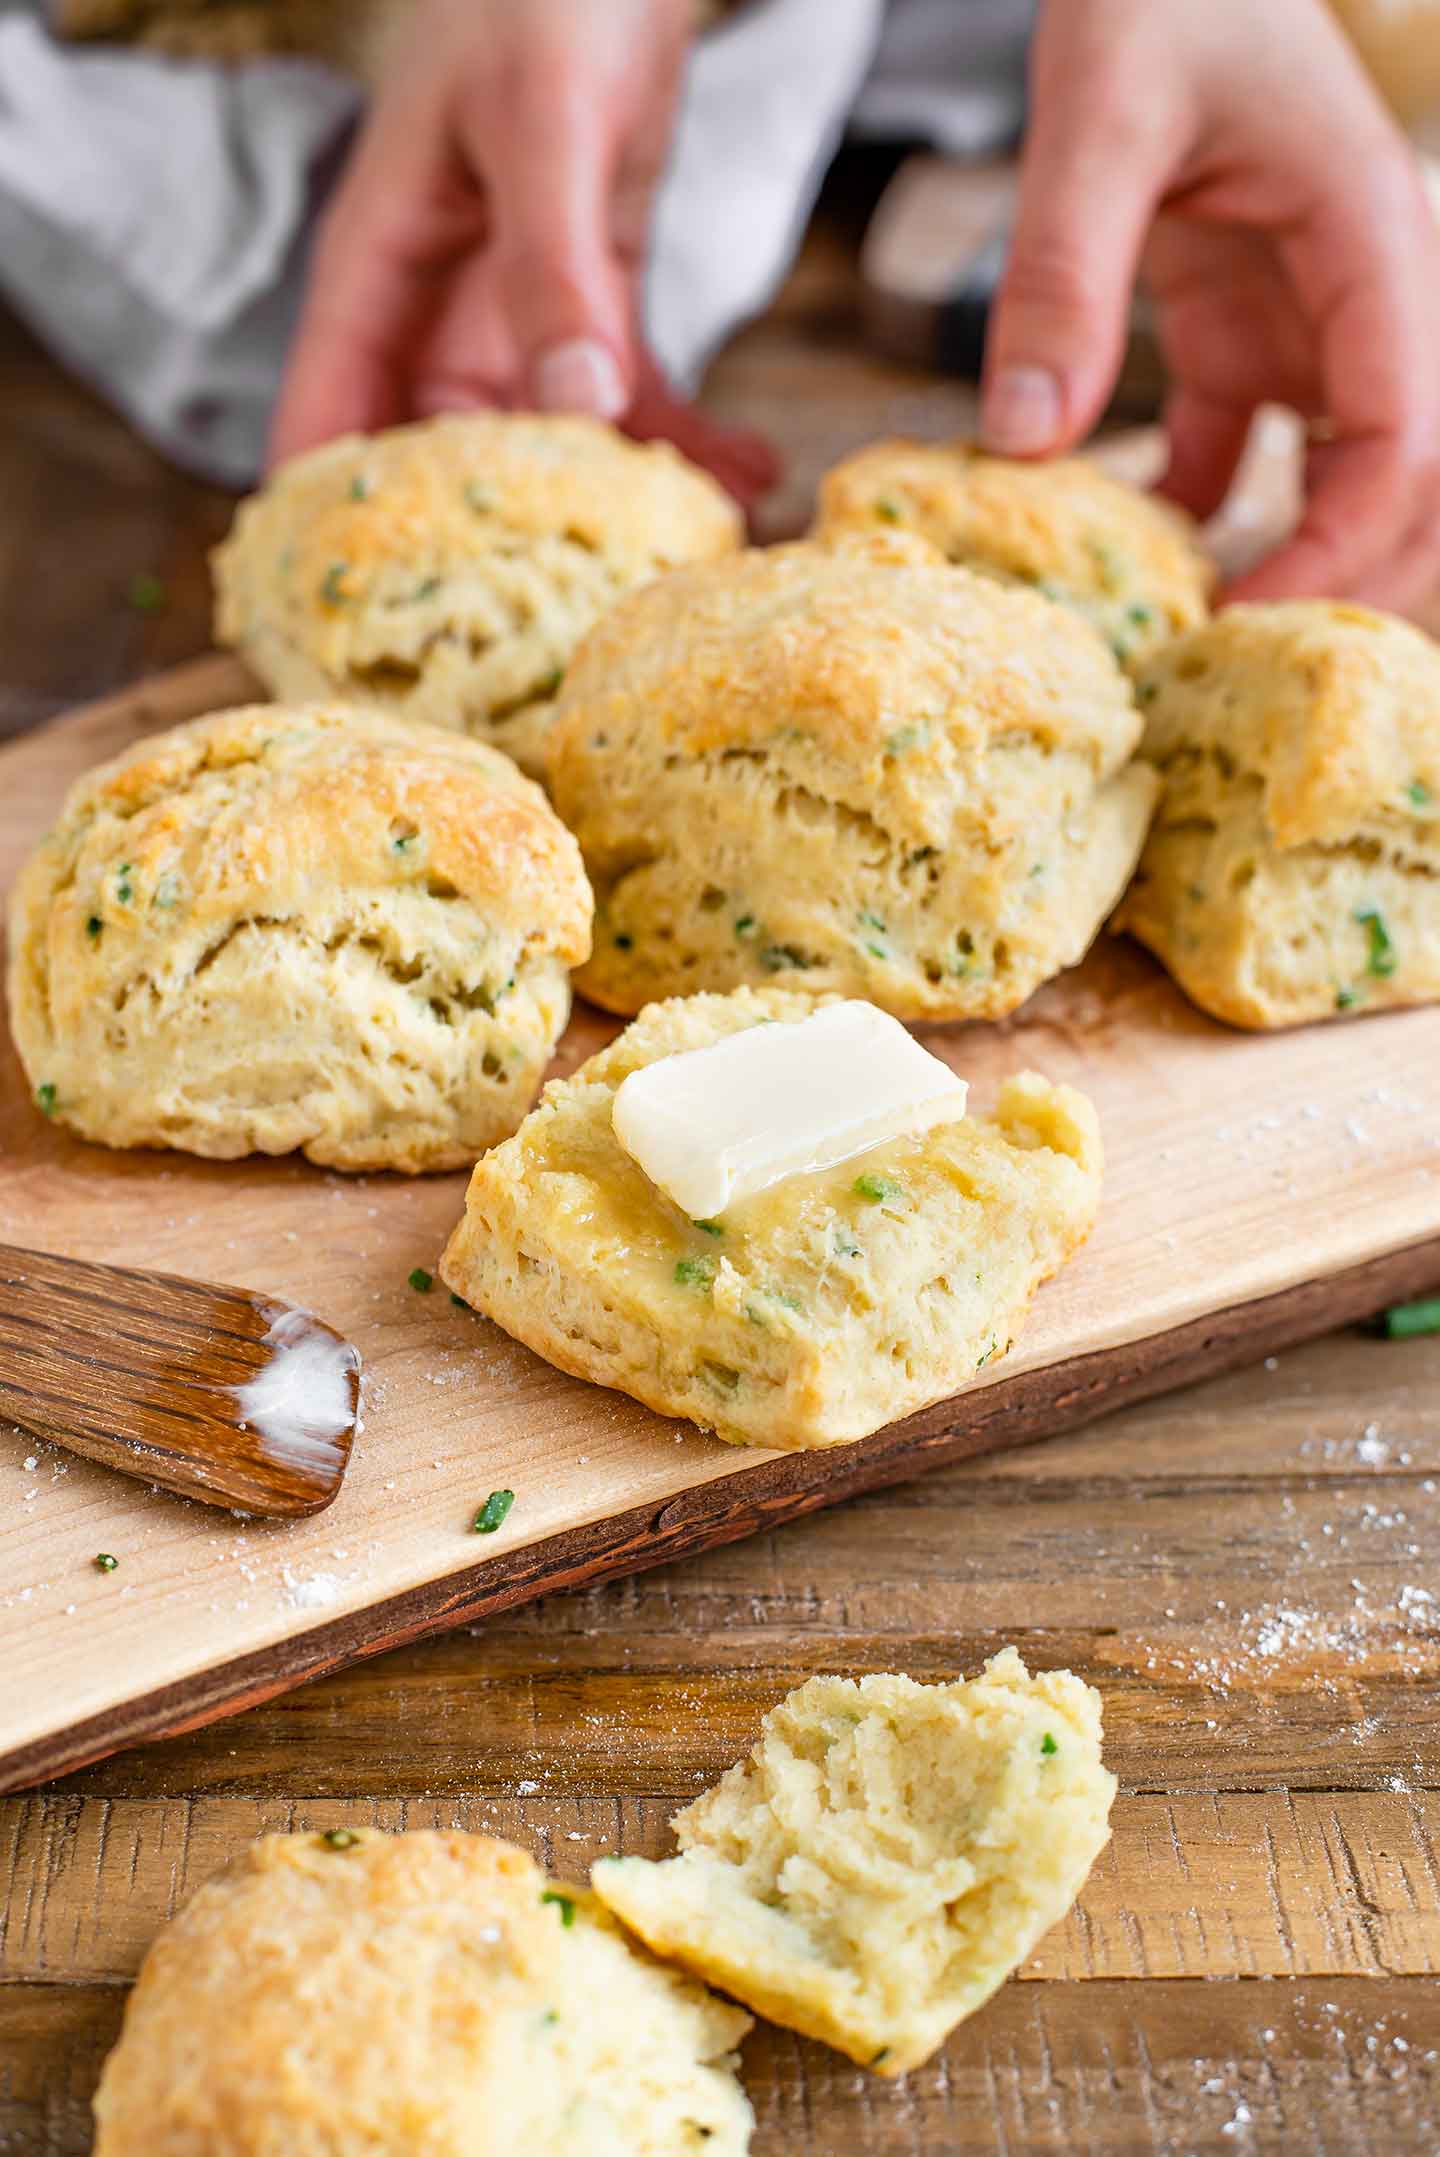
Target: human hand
{"type": "Point", "coordinates": [1290, 253]}
{"type": "Point", "coordinates": [486, 243]}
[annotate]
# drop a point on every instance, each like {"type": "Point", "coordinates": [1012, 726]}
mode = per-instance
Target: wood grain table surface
{"type": "Point", "coordinates": [1248, 1571]}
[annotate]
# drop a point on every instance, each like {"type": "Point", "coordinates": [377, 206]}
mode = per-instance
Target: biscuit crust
{"type": "Point", "coordinates": [1293, 872]}
{"type": "Point", "coordinates": [445, 571]}
{"type": "Point", "coordinates": [811, 1314]}
{"type": "Point", "coordinates": [886, 1856]}
{"type": "Point", "coordinates": [421, 1995]}
{"type": "Point", "coordinates": [1127, 561]}
{"type": "Point", "coordinates": [850, 768]}
{"type": "Point", "coordinates": [312, 928]}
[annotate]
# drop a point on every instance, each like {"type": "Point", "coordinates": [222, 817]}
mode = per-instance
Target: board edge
{"type": "Point", "coordinates": [1022, 1410]}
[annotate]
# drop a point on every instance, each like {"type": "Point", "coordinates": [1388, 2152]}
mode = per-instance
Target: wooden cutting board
{"type": "Point", "coordinates": [1258, 1191]}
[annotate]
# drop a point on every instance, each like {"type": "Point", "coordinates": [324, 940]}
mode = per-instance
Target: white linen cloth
{"type": "Point", "coordinates": [155, 214]}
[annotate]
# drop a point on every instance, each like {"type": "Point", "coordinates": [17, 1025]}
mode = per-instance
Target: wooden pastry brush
{"type": "Point", "coordinates": [233, 1398]}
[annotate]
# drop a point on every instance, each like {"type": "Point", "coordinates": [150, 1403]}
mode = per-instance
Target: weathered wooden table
{"type": "Point", "coordinates": [1247, 1571]}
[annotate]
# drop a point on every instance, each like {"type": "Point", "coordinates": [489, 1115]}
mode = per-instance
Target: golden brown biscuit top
{"type": "Point", "coordinates": [1336, 707]}
{"type": "Point", "coordinates": [1064, 522]}
{"type": "Point", "coordinates": [374, 521]}
{"type": "Point", "coordinates": [275, 809]}
{"type": "Point", "coordinates": [868, 650]}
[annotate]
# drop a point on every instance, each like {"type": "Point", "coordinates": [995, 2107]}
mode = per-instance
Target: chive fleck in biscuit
{"type": "Point", "coordinates": [818, 1310]}
{"type": "Point", "coordinates": [446, 570]}
{"type": "Point", "coordinates": [310, 929]}
{"type": "Point", "coordinates": [1129, 562]}
{"type": "Point", "coordinates": [419, 1995]}
{"type": "Point", "coordinates": [1293, 872]}
{"type": "Point", "coordinates": [886, 1856]}
{"type": "Point", "coordinates": [849, 768]}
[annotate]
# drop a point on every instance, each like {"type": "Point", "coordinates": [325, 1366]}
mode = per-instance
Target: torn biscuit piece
{"type": "Point", "coordinates": [886, 1856]}
{"type": "Point", "coordinates": [817, 1310]}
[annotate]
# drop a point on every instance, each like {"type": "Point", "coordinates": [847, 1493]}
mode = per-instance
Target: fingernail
{"type": "Point", "coordinates": [1021, 412]}
{"type": "Point", "coordinates": [579, 376]}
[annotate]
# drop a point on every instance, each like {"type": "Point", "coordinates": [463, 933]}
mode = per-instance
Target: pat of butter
{"type": "Point", "coordinates": [714, 1125]}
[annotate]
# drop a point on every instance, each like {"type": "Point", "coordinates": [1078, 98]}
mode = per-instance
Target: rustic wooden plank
{"type": "Point", "coordinates": [1234, 1885]}
{"type": "Point", "coordinates": [1334, 2067]}
{"type": "Point", "coordinates": [1218, 1611]}
{"type": "Point", "coordinates": [728, 1502]}
{"type": "Point", "coordinates": [88, 509]}
{"type": "Point", "coordinates": [1343, 1162]}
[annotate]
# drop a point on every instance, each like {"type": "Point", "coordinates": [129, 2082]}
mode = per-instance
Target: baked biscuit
{"type": "Point", "coordinates": [852, 766]}
{"type": "Point", "coordinates": [314, 928]}
{"type": "Point", "coordinates": [1127, 561]}
{"type": "Point", "coordinates": [886, 1856]}
{"type": "Point", "coordinates": [419, 1995]}
{"type": "Point", "coordinates": [445, 571]}
{"type": "Point", "coordinates": [1294, 869]}
{"type": "Point", "coordinates": [812, 1313]}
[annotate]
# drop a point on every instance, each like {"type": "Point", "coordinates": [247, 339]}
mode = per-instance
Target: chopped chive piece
{"type": "Point", "coordinates": [551, 682]}
{"type": "Point", "coordinates": [565, 1904]}
{"type": "Point", "coordinates": [708, 1228]}
{"type": "Point", "coordinates": [745, 926]}
{"type": "Point", "coordinates": [124, 889]}
{"type": "Point", "coordinates": [1419, 793]}
{"type": "Point", "coordinates": [458, 1301]}
{"type": "Point", "coordinates": [992, 1349]}
{"type": "Point", "coordinates": [1139, 614]}
{"type": "Point", "coordinates": [1346, 999]}
{"type": "Point", "coordinates": [907, 737]}
{"type": "Point", "coordinates": [879, 1190]}
{"type": "Point", "coordinates": [887, 509]}
{"type": "Point", "coordinates": [45, 1098]}
{"type": "Point", "coordinates": [1048, 1744]}
{"type": "Point", "coordinates": [105, 1562]}
{"type": "Point", "coordinates": [421, 1281]}
{"type": "Point", "coordinates": [93, 927]}
{"type": "Point", "coordinates": [624, 942]}
{"type": "Point", "coordinates": [1382, 952]}
{"type": "Point", "coordinates": [882, 2054]}
{"type": "Point", "coordinates": [549, 2019]}
{"type": "Point", "coordinates": [427, 588]}
{"type": "Point", "coordinates": [492, 1512]}
{"type": "Point", "coordinates": [775, 958]}
{"type": "Point", "coordinates": [403, 840]}
{"type": "Point", "coordinates": [695, 1272]}
{"type": "Point", "coordinates": [873, 935]}
{"type": "Point", "coordinates": [1404, 1321]}
{"type": "Point", "coordinates": [146, 594]}
{"type": "Point", "coordinates": [359, 488]}
{"type": "Point", "coordinates": [332, 585]}
{"type": "Point", "coordinates": [339, 1838]}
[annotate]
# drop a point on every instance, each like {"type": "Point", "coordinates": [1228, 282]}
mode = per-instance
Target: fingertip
{"type": "Point", "coordinates": [1022, 412]}
{"type": "Point", "coordinates": [579, 374]}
